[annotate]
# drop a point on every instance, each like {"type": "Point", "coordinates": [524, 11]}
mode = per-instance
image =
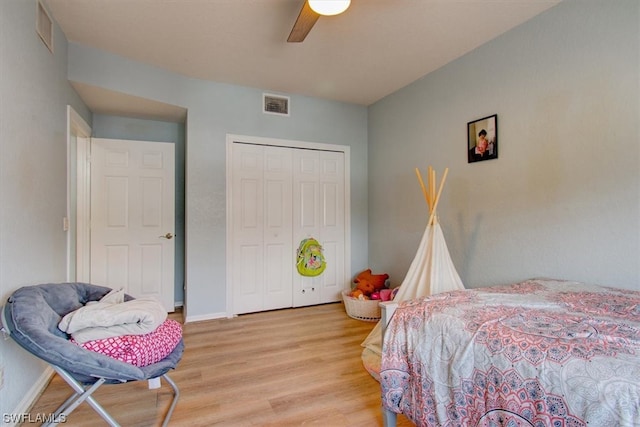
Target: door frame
{"type": "Point", "coordinates": [79, 151]}
{"type": "Point", "coordinates": [78, 135]}
{"type": "Point", "coordinates": [345, 149]}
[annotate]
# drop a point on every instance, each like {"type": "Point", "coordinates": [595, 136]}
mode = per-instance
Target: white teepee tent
{"type": "Point", "coordinates": [430, 272]}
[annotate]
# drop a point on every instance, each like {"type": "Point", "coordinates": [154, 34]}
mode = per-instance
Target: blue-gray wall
{"type": "Point", "coordinates": [563, 198]}
{"type": "Point", "coordinates": [215, 110]}
{"type": "Point", "coordinates": [34, 94]}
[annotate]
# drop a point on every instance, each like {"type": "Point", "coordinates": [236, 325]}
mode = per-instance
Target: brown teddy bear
{"type": "Point", "coordinates": [377, 280]}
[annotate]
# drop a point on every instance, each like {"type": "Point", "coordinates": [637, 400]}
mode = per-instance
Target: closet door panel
{"type": "Point", "coordinates": [247, 210]}
{"type": "Point", "coordinates": [306, 220]}
{"type": "Point", "coordinates": [278, 243]}
{"type": "Point", "coordinates": [249, 283]}
{"type": "Point", "coordinates": [332, 223]}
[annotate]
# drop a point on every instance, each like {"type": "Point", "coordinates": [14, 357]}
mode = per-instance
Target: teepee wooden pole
{"type": "Point", "coordinates": [424, 190]}
{"type": "Point", "coordinates": [432, 187]}
{"type": "Point", "coordinates": [435, 203]}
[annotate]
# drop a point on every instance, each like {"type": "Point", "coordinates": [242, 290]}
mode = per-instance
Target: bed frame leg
{"type": "Point", "coordinates": [388, 418]}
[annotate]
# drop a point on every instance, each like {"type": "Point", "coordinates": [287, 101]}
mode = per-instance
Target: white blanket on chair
{"type": "Point", "coordinates": [111, 318]}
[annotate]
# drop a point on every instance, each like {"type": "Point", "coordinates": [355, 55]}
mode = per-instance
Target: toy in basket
{"type": "Point", "coordinates": [367, 310]}
{"type": "Point", "coordinates": [362, 302]}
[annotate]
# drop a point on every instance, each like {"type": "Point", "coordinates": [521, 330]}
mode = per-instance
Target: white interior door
{"type": "Point", "coordinates": [261, 211]}
{"type": "Point", "coordinates": [132, 217]}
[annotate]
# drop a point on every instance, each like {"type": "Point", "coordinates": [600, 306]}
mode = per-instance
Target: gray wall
{"type": "Point", "coordinates": [113, 127]}
{"type": "Point", "coordinates": [34, 94]}
{"type": "Point", "coordinates": [563, 198]}
{"type": "Point", "coordinates": [215, 110]}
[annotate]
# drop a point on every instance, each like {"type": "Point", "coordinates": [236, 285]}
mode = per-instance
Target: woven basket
{"type": "Point", "coordinates": [365, 310]}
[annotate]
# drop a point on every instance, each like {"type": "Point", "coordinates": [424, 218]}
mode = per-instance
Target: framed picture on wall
{"type": "Point", "coordinates": [482, 139]}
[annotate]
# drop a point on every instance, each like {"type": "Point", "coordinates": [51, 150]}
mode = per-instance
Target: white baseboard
{"type": "Point", "coordinates": [203, 317]}
{"type": "Point", "coordinates": [33, 394]}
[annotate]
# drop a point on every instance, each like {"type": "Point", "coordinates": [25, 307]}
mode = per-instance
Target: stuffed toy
{"type": "Point", "coordinates": [377, 280]}
{"type": "Point", "coordinates": [363, 290]}
{"type": "Point", "coordinates": [385, 294]}
{"type": "Point", "coordinates": [357, 293]}
{"type": "Point", "coordinates": [366, 287]}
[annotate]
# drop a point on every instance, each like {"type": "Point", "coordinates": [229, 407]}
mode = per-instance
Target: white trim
{"type": "Point", "coordinates": [203, 317]}
{"type": "Point", "coordinates": [33, 394]}
{"type": "Point", "coordinates": [83, 210]}
{"type": "Point", "coordinates": [229, 223]}
{"type": "Point", "coordinates": [231, 138]}
{"type": "Point", "coordinates": [77, 130]}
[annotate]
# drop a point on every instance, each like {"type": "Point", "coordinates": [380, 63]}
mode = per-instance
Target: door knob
{"type": "Point", "coordinates": [167, 236]}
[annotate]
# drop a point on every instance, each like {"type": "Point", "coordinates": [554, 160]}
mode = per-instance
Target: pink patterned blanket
{"type": "Point", "coordinates": [139, 350]}
{"type": "Point", "coordinates": [536, 353]}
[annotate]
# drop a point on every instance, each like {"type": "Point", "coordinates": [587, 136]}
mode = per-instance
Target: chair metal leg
{"type": "Point", "coordinates": [174, 402]}
{"type": "Point", "coordinates": [65, 404]}
{"type": "Point", "coordinates": [81, 395]}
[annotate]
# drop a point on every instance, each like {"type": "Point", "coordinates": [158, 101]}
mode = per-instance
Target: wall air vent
{"type": "Point", "coordinates": [44, 26]}
{"type": "Point", "coordinates": [275, 104]}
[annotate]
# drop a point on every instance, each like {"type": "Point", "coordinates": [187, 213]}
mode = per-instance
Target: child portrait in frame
{"type": "Point", "coordinates": [482, 139]}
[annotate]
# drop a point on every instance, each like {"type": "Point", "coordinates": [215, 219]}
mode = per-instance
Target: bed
{"type": "Point", "coordinates": [537, 353]}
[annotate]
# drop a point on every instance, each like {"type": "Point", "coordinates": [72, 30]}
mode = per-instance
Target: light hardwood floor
{"type": "Point", "coordinates": [288, 367]}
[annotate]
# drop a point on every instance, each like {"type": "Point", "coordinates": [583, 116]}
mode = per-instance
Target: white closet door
{"type": "Point", "coordinates": [318, 211]}
{"type": "Point", "coordinates": [332, 224]}
{"type": "Point", "coordinates": [261, 209]}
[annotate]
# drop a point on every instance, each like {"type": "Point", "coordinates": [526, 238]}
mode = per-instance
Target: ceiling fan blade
{"type": "Point", "coordinates": [305, 22]}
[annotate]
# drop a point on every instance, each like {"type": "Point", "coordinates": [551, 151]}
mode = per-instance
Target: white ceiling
{"type": "Point", "coordinates": [373, 49]}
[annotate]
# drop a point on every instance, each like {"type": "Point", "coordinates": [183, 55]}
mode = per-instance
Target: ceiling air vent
{"type": "Point", "coordinates": [275, 104]}
{"type": "Point", "coordinates": [44, 26]}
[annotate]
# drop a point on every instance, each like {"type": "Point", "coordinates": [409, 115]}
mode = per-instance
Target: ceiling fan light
{"type": "Point", "coordinates": [329, 7]}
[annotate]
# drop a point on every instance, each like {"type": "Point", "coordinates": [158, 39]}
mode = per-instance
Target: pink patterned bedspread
{"type": "Point", "coordinates": [536, 353]}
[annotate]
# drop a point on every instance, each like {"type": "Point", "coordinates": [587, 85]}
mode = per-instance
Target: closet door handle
{"type": "Point", "coordinates": [167, 236]}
